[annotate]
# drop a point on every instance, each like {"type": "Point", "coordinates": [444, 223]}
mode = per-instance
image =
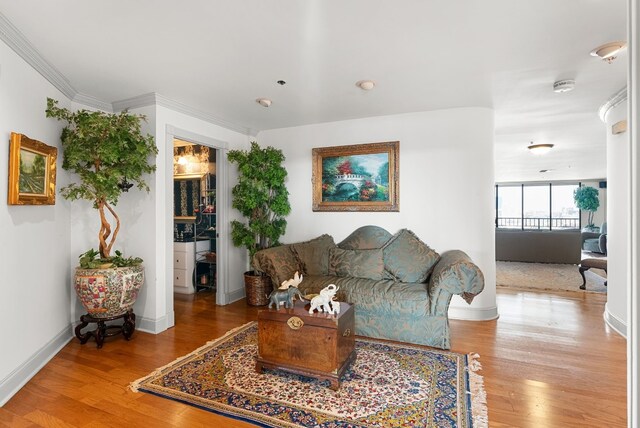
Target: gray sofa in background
{"type": "Point", "coordinates": [538, 246]}
{"type": "Point", "coordinates": [595, 242]}
{"type": "Point", "coordinates": [400, 288]}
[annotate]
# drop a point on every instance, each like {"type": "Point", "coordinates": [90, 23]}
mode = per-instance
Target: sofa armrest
{"type": "Point", "coordinates": [454, 273]}
{"type": "Point", "coordinates": [588, 235]}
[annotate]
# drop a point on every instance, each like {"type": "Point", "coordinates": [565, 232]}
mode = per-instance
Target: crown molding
{"type": "Point", "coordinates": [160, 100]}
{"type": "Point", "coordinates": [617, 99]}
{"type": "Point", "coordinates": [89, 101]}
{"type": "Point", "coordinates": [20, 45]}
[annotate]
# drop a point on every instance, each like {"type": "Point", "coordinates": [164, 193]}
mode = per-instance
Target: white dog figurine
{"type": "Point", "coordinates": [295, 281]}
{"type": "Point", "coordinates": [323, 301]}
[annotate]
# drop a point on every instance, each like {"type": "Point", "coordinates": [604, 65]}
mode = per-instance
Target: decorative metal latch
{"type": "Point", "coordinates": [295, 323]}
{"type": "Point", "coordinates": [347, 333]}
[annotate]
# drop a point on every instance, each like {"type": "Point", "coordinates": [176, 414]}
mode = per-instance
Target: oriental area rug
{"type": "Point", "coordinates": [388, 385]}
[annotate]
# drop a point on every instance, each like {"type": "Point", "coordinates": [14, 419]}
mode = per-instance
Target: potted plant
{"type": "Point", "coordinates": [262, 198]}
{"type": "Point", "coordinates": [586, 198]}
{"type": "Point", "coordinates": [109, 154]}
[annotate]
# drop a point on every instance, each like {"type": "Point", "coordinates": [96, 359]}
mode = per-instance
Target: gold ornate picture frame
{"type": "Point", "coordinates": [32, 172]}
{"type": "Point", "coordinates": [361, 177]}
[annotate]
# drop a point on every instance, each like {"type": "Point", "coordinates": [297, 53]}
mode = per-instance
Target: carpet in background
{"type": "Point", "coordinates": [548, 276]}
{"type": "Point", "coordinates": [388, 385]}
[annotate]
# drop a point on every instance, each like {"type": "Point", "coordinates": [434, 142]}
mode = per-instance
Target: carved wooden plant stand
{"type": "Point", "coordinates": [103, 330]}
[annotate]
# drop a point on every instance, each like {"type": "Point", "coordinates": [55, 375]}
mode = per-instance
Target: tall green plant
{"type": "Point", "coordinates": [261, 196]}
{"type": "Point", "coordinates": [105, 150]}
{"type": "Point", "coordinates": [586, 199]}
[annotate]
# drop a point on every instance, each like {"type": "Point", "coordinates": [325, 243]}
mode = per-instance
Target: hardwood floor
{"type": "Point", "coordinates": [548, 361]}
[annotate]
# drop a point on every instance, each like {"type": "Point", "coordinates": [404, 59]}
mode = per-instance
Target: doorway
{"type": "Point", "coordinates": [201, 235]}
{"type": "Point", "coordinates": [195, 218]}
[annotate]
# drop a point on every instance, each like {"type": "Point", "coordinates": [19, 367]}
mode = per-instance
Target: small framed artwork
{"type": "Point", "coordinates": [361, 177]}
{"type": "Point", "coordinates": [32, 172]}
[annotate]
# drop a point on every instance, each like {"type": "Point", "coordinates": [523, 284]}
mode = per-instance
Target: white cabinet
{"type": "Point", "coordinates": [183, 265]}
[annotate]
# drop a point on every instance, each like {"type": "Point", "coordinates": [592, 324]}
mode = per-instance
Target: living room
{"type": "Point", "coordinates": [448, 151]}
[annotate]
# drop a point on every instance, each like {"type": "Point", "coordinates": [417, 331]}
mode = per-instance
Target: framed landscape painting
{"type": "Point", "coordinates": [32, 172]}
{"type": "Point", "coordinates": [361, 177]}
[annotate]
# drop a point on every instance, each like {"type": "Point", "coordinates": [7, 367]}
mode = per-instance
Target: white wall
{"type": "Point", "coordinates": [446, 185]}
{"type": "Point", "coordinates": [618, 233]}
{"type": "Point", "coordinates": [35, 285]}
{"type": "Point", "coordinates": [152, 233]}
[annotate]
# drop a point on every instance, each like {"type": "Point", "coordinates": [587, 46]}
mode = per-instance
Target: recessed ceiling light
{"type": "Point", "coordinates": [608, 51]}
{"type": "Point", "coordinates": [264, 102]}
{"type": "Point", "coordinates": [366, 85]}
{"type": "Point", "coordinates": [539, 149]}
{"type": "Point", "coordinates": [564, 85]}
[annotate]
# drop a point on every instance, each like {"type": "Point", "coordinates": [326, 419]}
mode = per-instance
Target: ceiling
{"type": "Point", "coordinates": [219, 56]}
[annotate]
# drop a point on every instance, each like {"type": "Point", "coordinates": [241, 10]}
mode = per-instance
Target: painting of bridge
{"type": "Point", "coordinates": [33, 170]}
{"type": "Point", "coordinates": [359, 178]}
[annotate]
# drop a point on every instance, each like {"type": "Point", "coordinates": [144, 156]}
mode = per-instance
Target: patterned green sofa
{"type": "Point", "coordinates": [400, 287]}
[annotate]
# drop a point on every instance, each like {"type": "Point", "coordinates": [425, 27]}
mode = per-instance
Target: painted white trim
{"type": "Point", "coordinates": [222, 209]}
{"type": "Point", "coordinates": [160, 100]}
{"type": "Point", "coordinates": [618, 325]}
{"type": "Point", "coordinates": [12, 36]}
{"type": "Point", "coordinates": [615, 100]}
{"type": "Point", "coordinates": [235, 296]}
{"type": "Point", "coordinates": [94, 102]}
{"type": "Point", "coordinates": [23, 373]}
{"type": "Point", "coordinates": [633, 296]}
{"type": "Point", "coordinates": [473, 314]}
{"type": "Point", "coordinates": [153, 326]}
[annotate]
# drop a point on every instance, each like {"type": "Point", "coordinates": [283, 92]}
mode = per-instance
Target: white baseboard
{"type": "Point", "coordinates": [23, 373]}
{"type": "Point", "coordinates": [473, 314]}
{"type": "Point", "coordinates": [234, 296]}
{"type": "Point", "coordinates": [614, 322]}
{"type": "Point", "coordinates": [152, 326]}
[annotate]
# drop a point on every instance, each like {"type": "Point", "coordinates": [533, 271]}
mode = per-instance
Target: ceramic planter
{"type": "Point", "coordinates": [108, 292]}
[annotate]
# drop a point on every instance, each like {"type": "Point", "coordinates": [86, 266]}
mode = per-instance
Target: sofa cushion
{"type": "Point", "coordinates": [313, 255]}
{"type": "Point", "coordinates": [279, 263]}
{"type": "Point", "coordinates": [385, 299]}
{"type": "Point", "coordinates": [357, 263]}
{"type": "Point", "coordinates": [366, 237]}
{"type": "Point", "coordinates": [408, 258]}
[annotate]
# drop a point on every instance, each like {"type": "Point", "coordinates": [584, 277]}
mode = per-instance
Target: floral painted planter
{"type": "Point", "coordinates": [108, 292]}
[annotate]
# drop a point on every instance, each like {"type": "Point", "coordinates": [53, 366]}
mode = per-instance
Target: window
{"type": "Point", "coordinates": [509, 206]}
{"type": "Point", "coordinates": [536, 206]}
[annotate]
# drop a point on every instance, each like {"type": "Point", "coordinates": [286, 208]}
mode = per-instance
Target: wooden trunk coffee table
{"type": "Point", "coordinates": [318, 345]}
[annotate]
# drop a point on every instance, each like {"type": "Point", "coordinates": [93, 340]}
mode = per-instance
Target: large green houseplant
{"type": "Point", "coordinates": [586, 199]}
{"type": "Point", "coordinates": [108, 153]}
{"type": "Point", "coordinates": [262, 198]}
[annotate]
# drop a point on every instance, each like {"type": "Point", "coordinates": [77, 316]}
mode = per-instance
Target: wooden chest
{"type": "Point", "coordinates": [318, 345]}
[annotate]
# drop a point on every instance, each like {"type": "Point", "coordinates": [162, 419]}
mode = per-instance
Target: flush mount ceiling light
{"type": "Point", "coordinates": [608, 51]}
{"type": "Point", "coordinates": [539, 149]}
{"type": "Point", "coordinates": [366, 85]}
{"type": "Point", "coordinates": [564, 85]}
{"type": "Point", "coordinates": [264, 102]}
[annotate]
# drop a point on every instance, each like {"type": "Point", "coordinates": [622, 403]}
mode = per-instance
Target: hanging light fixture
{"type": "Point", "coordinates": [124, 185]}
{"type": "Point", "coordinates": [539, 149]}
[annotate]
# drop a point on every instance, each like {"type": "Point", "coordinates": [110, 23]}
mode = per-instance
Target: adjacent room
{"type": "Point", "coordinates": [321, 213]}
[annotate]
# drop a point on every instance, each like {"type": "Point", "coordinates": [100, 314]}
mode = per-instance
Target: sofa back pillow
{"type": "Point", "coordinates": [313, 255]}
{"type": "Point", "coordinates": [366, 237]}
{"type": "Point", "coordinates": [357, 263]}
{"type": "Point", "coordinates": [408, 258]}
{"type": "Point", "coordinates": [280, 263]}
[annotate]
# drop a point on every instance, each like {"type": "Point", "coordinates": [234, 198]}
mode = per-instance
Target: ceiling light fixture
{"type": "Point", "coordinates": [608, 51]}
{"type": "Point", "coordinates": [539, 149]}
{"type": "Point", "coordinates": [564, 85]}
{"type": "Point", "coordinates": [281, 82]}
{"type": "Point", "coordinates": [182, 160]}
{"type": "Point", "coordinates": [366, 85]}
{"type": "Point", "coordinates": [264, 102]}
